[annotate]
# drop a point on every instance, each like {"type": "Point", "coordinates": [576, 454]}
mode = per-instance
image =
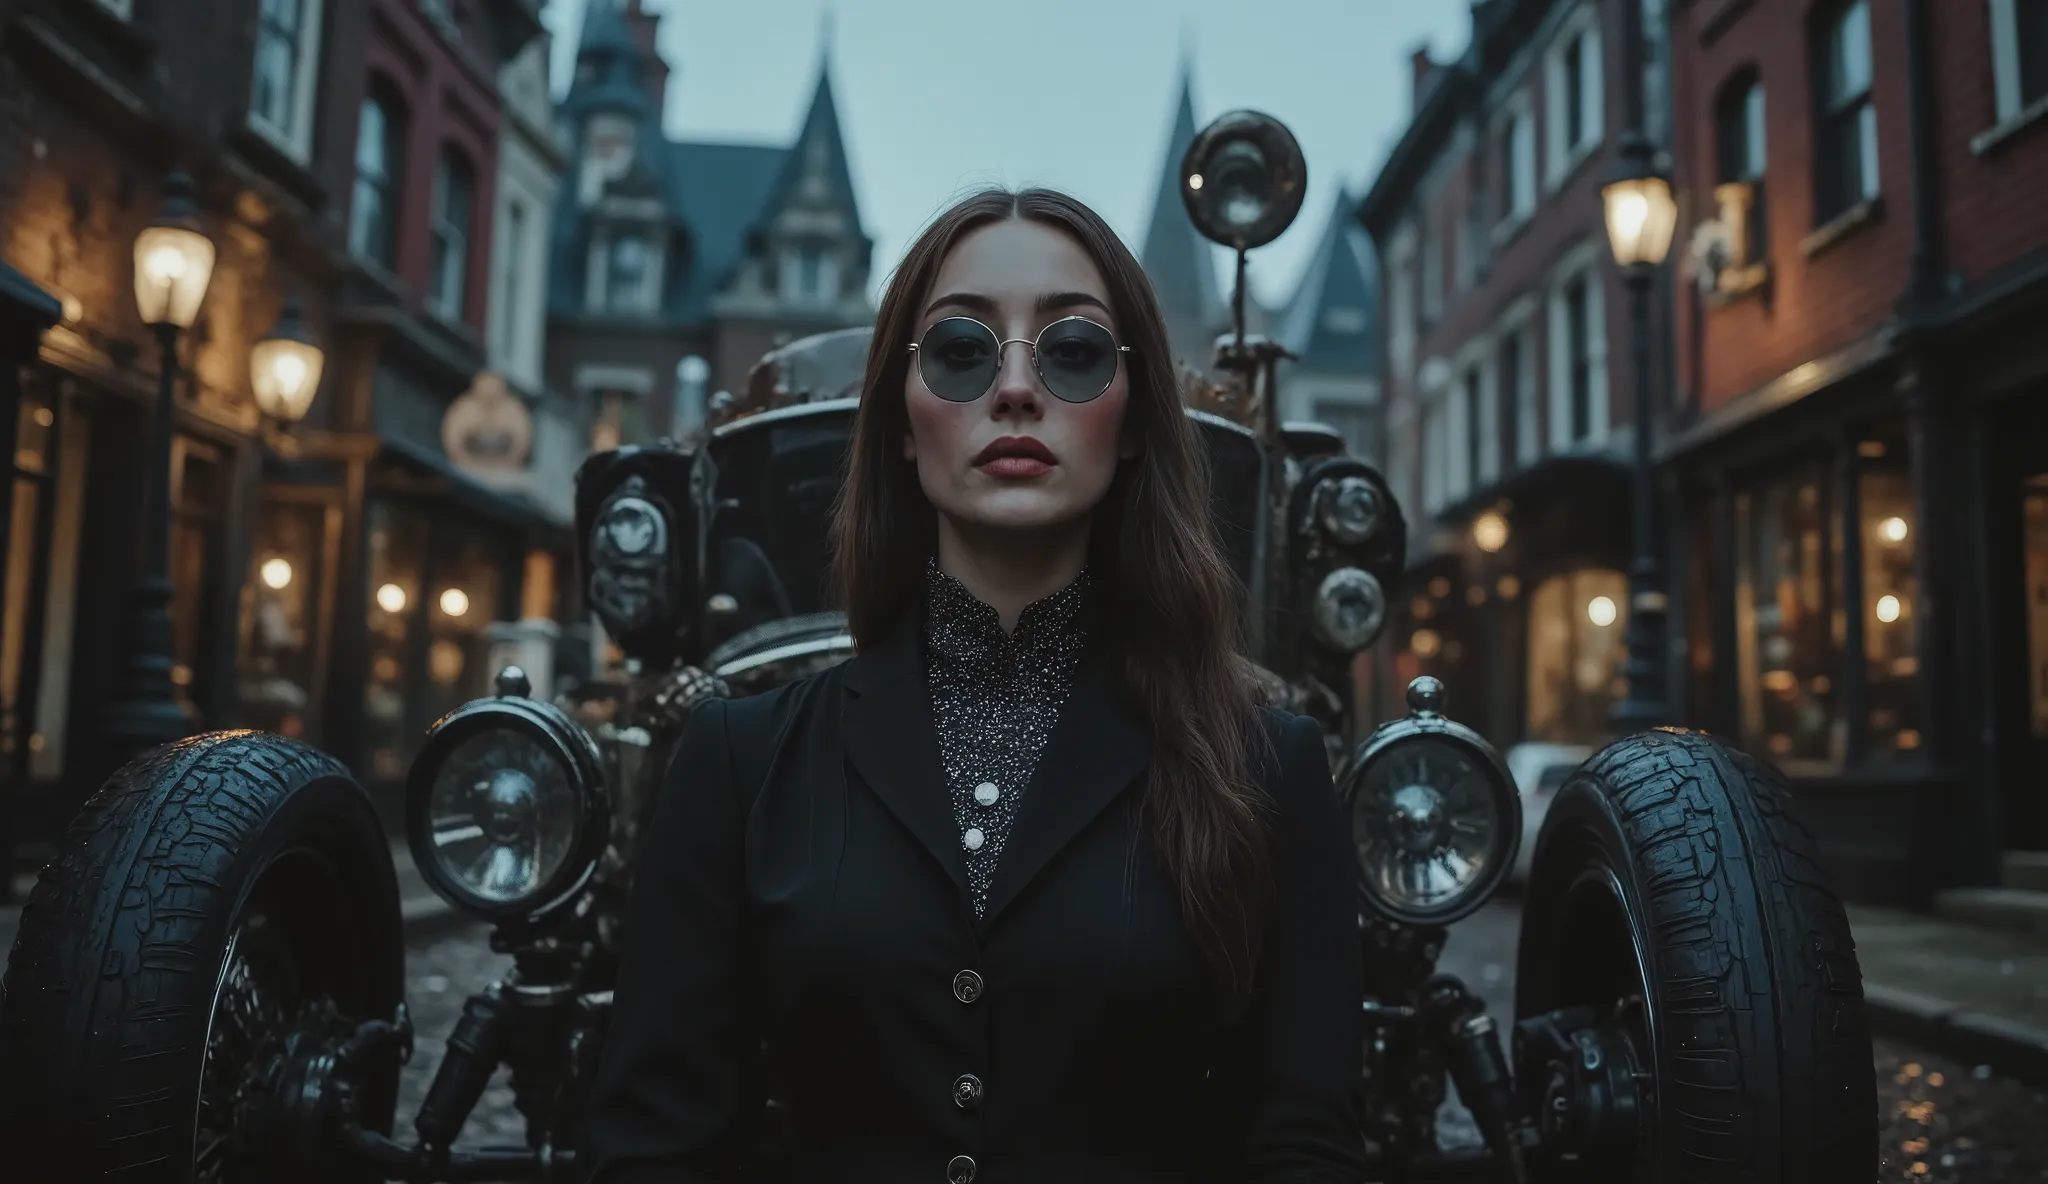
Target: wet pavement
{"type": "Point", "coordinates": [1942, 1122]}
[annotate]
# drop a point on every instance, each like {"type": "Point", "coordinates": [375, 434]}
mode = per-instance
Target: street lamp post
{"type": "Point", "coordinates": [173, 263]}
{"type": "Point", "coordinates": [1641, 216]}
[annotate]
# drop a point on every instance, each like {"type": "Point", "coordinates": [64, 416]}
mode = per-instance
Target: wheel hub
{"type": "Point", "coordinates": [1585, 1081]}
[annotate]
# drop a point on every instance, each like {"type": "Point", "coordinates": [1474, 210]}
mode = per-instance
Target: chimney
{"type": "Point", "coordinates": [645, 25]}
{"type": "Point", "coordinates": [1425, 68]}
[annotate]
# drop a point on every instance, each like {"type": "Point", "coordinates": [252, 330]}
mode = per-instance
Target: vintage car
{"type": "Point", "coordinates": [209, 978]}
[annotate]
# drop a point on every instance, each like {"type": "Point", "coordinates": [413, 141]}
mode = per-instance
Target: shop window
{"type": "Point", "coordinates": [2035, 517]}
{"type": "Point", "coordinates": [1576, 652]}
{"type": "Point", "coordinates": [398, 549]}
{"type": "Point", "coordinates": [1788, 621]}
{"type": "Point", "coordinates": [448, 264]}
{"type": "Point", "coordinates": [1846, 161]}
{"type": "Point", "coordinates": [198, 496]}
{"type": "Point", "coordinates": [466, 573]}
{"type": "Point", "coordinates": [26, 576]}
{"type": "Point", "coordinates": [279, 668]}
{"type": "Point", "coordinates": [373, 202]}
{"type": "Point", "coordinates": [1889, 534]}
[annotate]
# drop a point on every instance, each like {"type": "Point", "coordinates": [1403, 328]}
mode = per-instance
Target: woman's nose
{"type": "Point", "coordinates": [1016, 381]}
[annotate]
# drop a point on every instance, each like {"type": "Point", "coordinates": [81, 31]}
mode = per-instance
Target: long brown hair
{"type": "Point", "coordinates": [1158, 569]}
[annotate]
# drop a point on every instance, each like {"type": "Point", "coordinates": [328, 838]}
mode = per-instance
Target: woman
{"type": "Point", "coordinates": [1029, 890]}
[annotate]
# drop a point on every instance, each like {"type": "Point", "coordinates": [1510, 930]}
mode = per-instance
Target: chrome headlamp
{"type": "Point", "coordinates": [1349, 509]}
{"type": "Point", "coordinates": [1350, 609]}
{"type": "Point", "coordinates": [1435, 817]}
{"type": "Point", "coordinates": [506, 810]}
{"type": "Point", "coordinates": [1243, 179]}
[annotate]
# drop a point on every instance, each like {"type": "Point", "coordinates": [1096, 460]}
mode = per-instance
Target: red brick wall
{"type": "Point", "coordinates": [1813, 305]}
{"type": "Point", "coordinates": [1995, 209]}
{"type": "Point", "coordinates": [447, 105]}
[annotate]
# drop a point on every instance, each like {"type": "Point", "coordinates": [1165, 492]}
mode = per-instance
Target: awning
{"type": "Point", "coordinates": [500, 506]}
{"type": "Point", "coordinates": [21, 297]}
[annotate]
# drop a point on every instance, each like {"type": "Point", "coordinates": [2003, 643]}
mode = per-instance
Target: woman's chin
{"type": "Point", "coordinates": [1020, 510]}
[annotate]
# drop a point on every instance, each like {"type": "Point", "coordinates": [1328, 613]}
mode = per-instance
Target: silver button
{"type": "Point", "coordinates": [974, 838]}
{"type": "Point", "coordinates": [960, 1170]}
{"type": "Point", "coordinates": [986, 793]}
{"type": "Point", "coordinates": [967, 986]}
{"type": "Point", "coordinates": [967, 1091]}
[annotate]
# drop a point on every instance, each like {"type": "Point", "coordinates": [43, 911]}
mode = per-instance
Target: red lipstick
{"type": "Point", "coordinates": [1015, 456]}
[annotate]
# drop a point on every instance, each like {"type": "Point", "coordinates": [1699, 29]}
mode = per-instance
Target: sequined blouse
{"type": "Point", "coordinates": [995, 698]}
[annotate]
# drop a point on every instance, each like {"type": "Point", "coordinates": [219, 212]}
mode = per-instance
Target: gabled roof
{"type": "Point", "coordinates": [613, 60]}
{"type": "Point", "coordinates": [820, 135]}
{"type": "Point", "coordinates": [1329, 323]}
{"type": "Point", "coordinates": [720, 191]}
{"type": "Point", "coordinates": [1180, 261]}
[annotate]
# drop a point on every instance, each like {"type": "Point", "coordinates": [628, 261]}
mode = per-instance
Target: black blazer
{"type": "Point", "coordinates": [803, 883]}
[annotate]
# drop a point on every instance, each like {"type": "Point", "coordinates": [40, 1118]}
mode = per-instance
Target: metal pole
{"type": "Point", "coordinates": [146, 713]}
{"type": "Point", "coordinates": [1645, 705]}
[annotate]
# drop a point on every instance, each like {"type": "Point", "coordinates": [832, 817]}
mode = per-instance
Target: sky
{"type": "Point", "coordinates": [937, 97]}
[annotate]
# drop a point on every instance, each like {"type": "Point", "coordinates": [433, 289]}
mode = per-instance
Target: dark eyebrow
{"type": "Point", "coordinates": [1050, 302]}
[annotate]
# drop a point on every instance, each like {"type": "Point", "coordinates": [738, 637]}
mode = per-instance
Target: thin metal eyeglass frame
{"type": "Point", "coordinates": [1003, 343]}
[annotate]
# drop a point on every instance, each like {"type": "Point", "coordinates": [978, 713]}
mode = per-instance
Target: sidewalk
{"type": "Point", "coordinates": [423, 913]}
{"type": "Point", "coordinates": [1976, 994]}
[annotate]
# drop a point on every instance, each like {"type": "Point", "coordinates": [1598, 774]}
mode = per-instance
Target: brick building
{"type": "Point", "coordinates": [275, 535]}
{"type": "Point", "coordinates": [676, 264]}
{"type": "Point", "coordinates": [1860, 452]}
{"type": "Point", "coordinates": [1506, 413]}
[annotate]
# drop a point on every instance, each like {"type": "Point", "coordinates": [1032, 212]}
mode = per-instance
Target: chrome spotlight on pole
{"type": "Point", "coordinates": [1243, 181]}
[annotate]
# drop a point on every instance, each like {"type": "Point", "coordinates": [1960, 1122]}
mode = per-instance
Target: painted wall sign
{"type": "Point", "coordinates": [488, 429]}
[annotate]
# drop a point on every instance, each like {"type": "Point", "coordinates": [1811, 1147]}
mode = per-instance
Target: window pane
{"type": "Point", "coordinates": [1848, 57]}
{"type": "Point", "coordinates": [279, 619]}
{"type": "Point", "coordinates": [2031, 18]}
{"type": "Point", "coordinates": [371, 229]}
{"type": "Point", "coordinates": [1579, 342]}
{"type": "Point", "coordinates": [1757, 139]}
{"type": "Point", "coordinates": [467, 571]}
{"type": "Point", "coordinates": [1787, 621]}
{"type": "Point", "coordinates": [1575, 92]}
{"type": "Point", "coordinates": [1866, 151]}
{"type": "Point", "coordinates": [277, 51]}
{"type": "Point", "coordinates": [1890, 534]}
{"type": "Point", "coordinates": [1475, 437]}
{"type": "Point", "coordinates": [398, 545]}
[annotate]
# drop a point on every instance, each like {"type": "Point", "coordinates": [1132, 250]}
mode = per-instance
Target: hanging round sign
{"type": "Point", "coordinates": [488, 429]}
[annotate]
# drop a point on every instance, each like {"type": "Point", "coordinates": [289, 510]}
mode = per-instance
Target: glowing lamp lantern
{"type": "Point", "coordinates": [173, 260]}
{"type": "Point", "coordinates": [1642, 215]}
{"type": "Point", "coordinates": [284, 367]}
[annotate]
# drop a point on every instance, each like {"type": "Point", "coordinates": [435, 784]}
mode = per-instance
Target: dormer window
{"type": "Point", "coordinates": [626, 274]}
{"type": "Point", "coordinates": [810, 276]}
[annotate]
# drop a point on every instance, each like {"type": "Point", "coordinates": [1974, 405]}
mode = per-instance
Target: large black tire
{"type": "Point", "coordinates": [109, 1000]}
{"type": "Point", "coordinates": [1670, 865]}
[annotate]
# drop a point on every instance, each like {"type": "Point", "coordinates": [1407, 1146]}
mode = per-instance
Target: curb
{"type": "Point", "coordinates": [1956, 1031]}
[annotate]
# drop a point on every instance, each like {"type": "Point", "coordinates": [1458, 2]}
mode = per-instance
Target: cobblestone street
{"type": "Point", "coordinates": [1942, 1122]}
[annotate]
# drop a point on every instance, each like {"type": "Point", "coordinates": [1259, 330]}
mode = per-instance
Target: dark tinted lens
{"type": "Point", "coordinates": [958, 359]}
{"type": "Point", "coordinates": [1077, 359]}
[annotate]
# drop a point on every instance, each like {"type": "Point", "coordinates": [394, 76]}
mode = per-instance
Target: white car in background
{"type": "Point", "coordinates": [1539, 769]}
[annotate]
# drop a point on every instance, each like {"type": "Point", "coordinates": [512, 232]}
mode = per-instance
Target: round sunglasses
{"type": "Point", "coordinates": [959, 358]}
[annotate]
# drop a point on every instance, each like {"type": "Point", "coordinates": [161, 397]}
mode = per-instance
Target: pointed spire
{"type": "Point", "coordinates": [1180, 261]}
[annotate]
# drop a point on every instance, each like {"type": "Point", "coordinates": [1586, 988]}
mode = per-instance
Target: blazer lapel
{"type": "Point", "coordinates": [1095, 751]}
{"type": "Point", "coordinates": [886, 728]}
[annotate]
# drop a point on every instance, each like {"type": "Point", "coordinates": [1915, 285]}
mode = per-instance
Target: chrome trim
{"type": "Point", "coordinates": [1215, 420]}
{"type": "Point", "coordinates": [778, 414]}
{"type": "Point", "coordinates": [837, 643]}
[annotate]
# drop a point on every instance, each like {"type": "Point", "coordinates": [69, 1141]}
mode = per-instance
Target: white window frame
{"type": "Point", "coordinates": [1581, 31]}
{"type": "Point", "coordinates": [2012, 104]}
{"type": "Point", "coordinates": [1513, 141]}
{"type": "Point", "coordinates": [1868, 134]}
{"type": "Point", "coordinates": [295, 141]}
{"type": "Point", "coordinates": [1516, 324]}
{"type": "Point", "coordinates": [791, 280]}
{"type": "Point", "coordinates": [597, 274]}
{"type": "Point", "coordinates": [452, 304]}
{"type": "Point", "coordinates": [1582, 262]}
{"type": "Point", "coordinates": [1402, 331]}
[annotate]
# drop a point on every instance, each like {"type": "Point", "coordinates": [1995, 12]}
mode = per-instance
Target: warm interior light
{"type": "Point", "coordinates": [276, 573]}
{"type": "Point", "coordinates": [1425, 643]}
{"type": "Point", "coordinates": [1490, 532]}
{"type": "Point", "coordinates": [455, 602]}
{"type": "Point", "coordinates": [1601, 610]}
{"type": "Point", "coordinates": [1893, 530]}
{"type": "Point", "coordinates": [391, 598]}
{"type": "Point", "coordinates": [1888, 608]}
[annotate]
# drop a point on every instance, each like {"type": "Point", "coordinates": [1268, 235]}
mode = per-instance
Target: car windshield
{"type": "Point", "coordinates": [769, 542]}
